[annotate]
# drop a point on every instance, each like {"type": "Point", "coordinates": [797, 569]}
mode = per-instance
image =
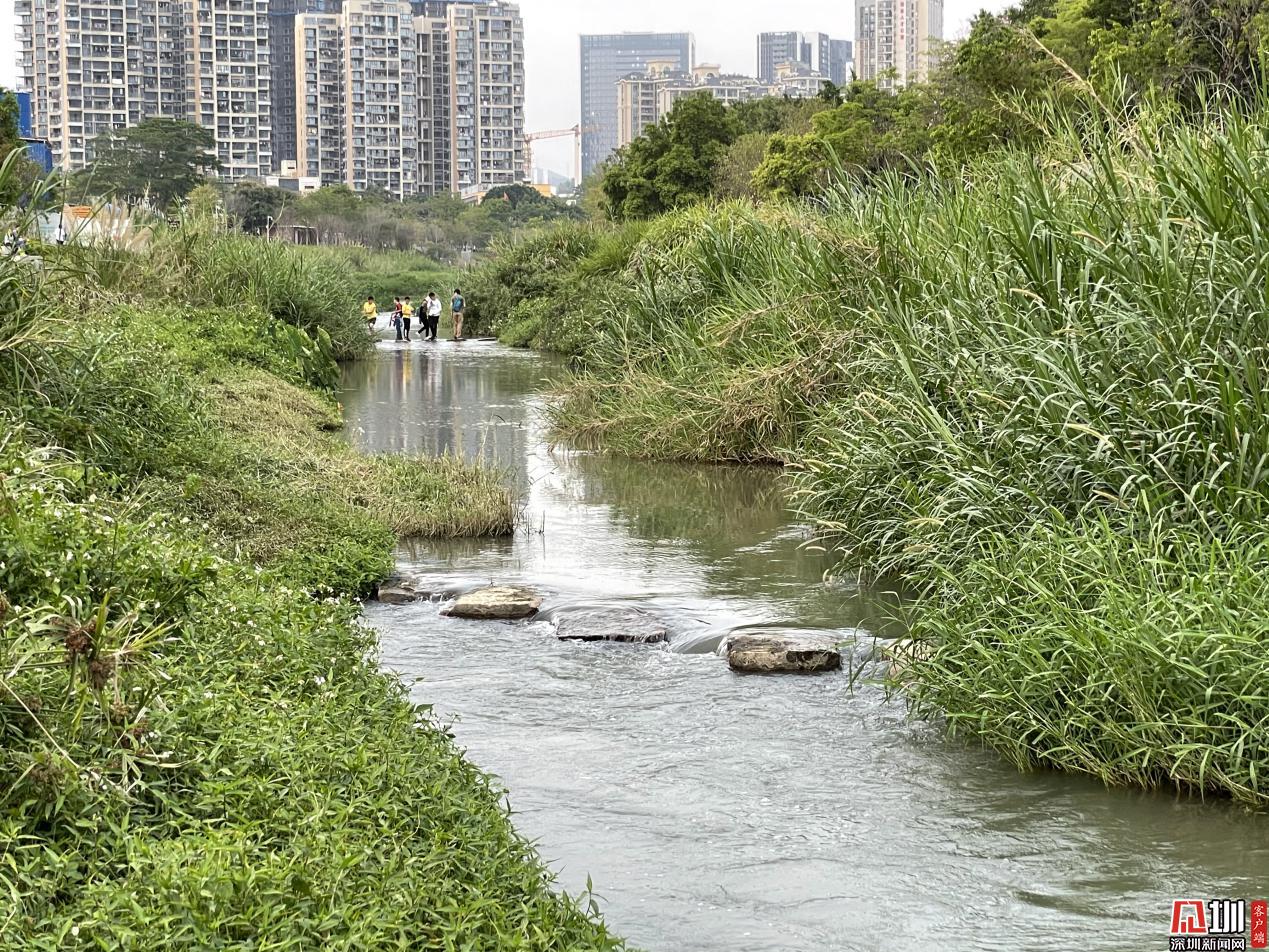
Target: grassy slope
{"type": "Point", "coordinates": [992, 389]}
{"type": "Point", "coordinates": [196, 752]}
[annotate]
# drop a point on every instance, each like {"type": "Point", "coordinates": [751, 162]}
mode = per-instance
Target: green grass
{"type": "Point", "coordinates": [197, 747]}
{"type": "Point", "coordinates": [219, 766]}
{"type": "Point", "coordinates": [970, 374]}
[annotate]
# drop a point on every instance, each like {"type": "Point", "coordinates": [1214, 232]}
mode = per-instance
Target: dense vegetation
{"type": "Point", "coordinates": [1032, 382]}
{"type": "Point", "coordinates": [197, 748]}
{"type": "Point", "coordinates": [1077, 56]}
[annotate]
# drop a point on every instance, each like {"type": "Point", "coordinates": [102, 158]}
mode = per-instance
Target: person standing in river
{"type": "Point", "coordinates": [396, 315]}
{"type": "Point", "coordinates": [456, 306]}
{"type": "Point", "coordinates": [433, 314]}
{"type": "Point", "coordinates": [370, 311]}
{"type": "Point", "coordinates": [407, 312]}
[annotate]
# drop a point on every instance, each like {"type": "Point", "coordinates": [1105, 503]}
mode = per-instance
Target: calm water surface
{"type": "Point", "coordinates": [719, 812]}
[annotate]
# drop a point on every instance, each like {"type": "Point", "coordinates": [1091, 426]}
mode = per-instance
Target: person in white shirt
{"type": "Point", "coordinates": [433, 314]}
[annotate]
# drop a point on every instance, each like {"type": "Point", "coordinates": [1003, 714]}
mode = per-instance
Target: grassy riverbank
{"type": "Point", "coordinates": [197, 748]}
{"type": "Point", "coordinates": [1035, 387]}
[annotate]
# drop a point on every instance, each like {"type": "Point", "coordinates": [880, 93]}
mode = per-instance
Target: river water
{"type": "Point", "coordinates": [713, 811]}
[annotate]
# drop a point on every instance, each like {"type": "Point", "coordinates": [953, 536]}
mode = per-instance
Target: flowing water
{"type": "Point", "coordinates": [714, 811]}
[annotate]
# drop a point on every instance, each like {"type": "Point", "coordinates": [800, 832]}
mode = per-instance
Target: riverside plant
{"type": "Point", "coordinates": [197, 747]}
{"type": "Point", "coordinates": [987, 380]}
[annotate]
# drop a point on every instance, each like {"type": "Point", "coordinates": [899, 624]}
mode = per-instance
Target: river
{"type": "Point", "coordinates": [714, 811]}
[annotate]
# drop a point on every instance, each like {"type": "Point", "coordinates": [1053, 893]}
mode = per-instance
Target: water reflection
{"type": "Point", "coordinates": [718, 812]}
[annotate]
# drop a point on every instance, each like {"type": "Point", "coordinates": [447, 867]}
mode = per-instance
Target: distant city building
{"type": "Point", "coordinates": [893, 39]}
{"type": "Point", "coordinates": [356, 122]}
{"type": "Point", "coordinates": [643, 98]}
{"type": "Point", "coordinates": [841, 60]}
{"type": "Point", "coordinates": [799, 81]}
{"type": "Point", "coordinates": [812, 50]}
{"type": "Point", "coordinates": [282, 15]}
{"type": "Point", "coordinates": [486, 61]}
{"type": "Point", "coordinates": [606, 59]}
{"type": "Point", "coordinates": [103, 65]}
{"type": "Point", "coordinates": [380, 95]}
{"type": "Point", "coordinates": [433, 75]}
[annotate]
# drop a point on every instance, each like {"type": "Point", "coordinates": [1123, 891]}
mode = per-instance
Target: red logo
{"type": "Point", "coordinates": [1189, 917]}
{"type": "Point", "coordinates": [1260, 924]}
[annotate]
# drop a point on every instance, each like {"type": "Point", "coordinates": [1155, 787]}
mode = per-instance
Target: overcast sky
{"type": "Point", "coordinates": [725, 33]}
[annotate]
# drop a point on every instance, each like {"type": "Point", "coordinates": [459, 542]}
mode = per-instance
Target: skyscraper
{"type": "Point", "coordinates": [486, 62]}
{"type": "Point", "coordinates": [892, 39]}
{"type": "Point", "coordinates": [433, 75]}
{"type": "Point", "coordinates": [282, 15]}
{"type": "Point", "coordinates": [231, 82]}
{"type": "Point", "coordinates": [841, 59]}
{"type": "Point", "coordinates": [812, 50]}
{"type": "Point", "coordinates": [607, 58]}
{"type": "Point", "coordinates": [102, 65]}
{"type": "Point", "coordinates": [370, 125]}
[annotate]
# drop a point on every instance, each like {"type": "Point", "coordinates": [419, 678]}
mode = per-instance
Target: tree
{"type": "Point", "coordinates": [673, 162]}
{"type": "Point", "coordinates": [160, 159]}
{"type": "Point", "coordinates": [25, 173]}
{"type": "Point", "coordinates": [255, 207]}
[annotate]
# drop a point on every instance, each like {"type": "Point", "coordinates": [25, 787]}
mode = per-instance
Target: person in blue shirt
{"type": "Point", "coordinates": [456, 306]}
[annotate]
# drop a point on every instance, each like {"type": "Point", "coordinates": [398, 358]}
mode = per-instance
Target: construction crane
{"type": "Point", "coordinates": [576, 132]}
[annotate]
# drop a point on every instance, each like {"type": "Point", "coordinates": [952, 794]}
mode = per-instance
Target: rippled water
{"type": "Point", "coordinates": [721, 812]}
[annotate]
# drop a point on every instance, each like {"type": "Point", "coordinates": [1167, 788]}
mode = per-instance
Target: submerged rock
{"type": "Point", "coordinates": [627, 625]}
{"type": "Point", "coordinates": [495, 602]}
{"type": "Point", "coordinates": [398, 591]}
{"type": "Point", "coordinates": [770, 654]}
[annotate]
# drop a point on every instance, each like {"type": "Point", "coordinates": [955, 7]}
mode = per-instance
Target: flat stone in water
{"type": "Point", "coordinates": [771, 654]}
{"type": "Point", "coordinates": [398, 591]}
{"type": "Point", "coordinates": [497, 602]}
{"type": "Point", "coordinates": [626, 625]}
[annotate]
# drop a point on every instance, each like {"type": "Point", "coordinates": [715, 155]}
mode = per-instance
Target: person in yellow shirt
{"type": "Point", "coordinates": [407, 312]}
{"type": "Point", "coordinates": [370, 310]}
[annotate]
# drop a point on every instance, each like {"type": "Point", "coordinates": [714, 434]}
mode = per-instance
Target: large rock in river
{"type": "Point", "coordinates": [398, 591]}
{"type": "Point", "coordinates": [628, 625]}
{"type": "Point", "coordinates": [772, 653]}
{"type": "Point", "coordinates": [496, 602]}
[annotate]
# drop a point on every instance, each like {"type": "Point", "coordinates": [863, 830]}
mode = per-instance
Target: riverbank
{"type": "Point", "coordinates": [1013, 388]}
{"type": "Point", "coordinates": [201, 747]}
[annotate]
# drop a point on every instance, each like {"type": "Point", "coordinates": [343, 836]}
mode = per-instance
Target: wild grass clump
{"type": "Point", "coordinates": [1131, 657]}
{"type": "Point", "coordinates": [197, 755]}
{"type": "Point", "coordinates": [198, 265]}
{"type": "Point", "coordinates": [196, 751]}
{"type": "Point", "coordinates": [546, 290]}
{"type": "Point", "coordinates": [385, 275]}
{"type": "Point", "coordinates": [1030, 372]}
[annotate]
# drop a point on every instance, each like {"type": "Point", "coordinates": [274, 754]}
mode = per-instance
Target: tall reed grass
{"type": "Point", "coordinates": [1070, 349]}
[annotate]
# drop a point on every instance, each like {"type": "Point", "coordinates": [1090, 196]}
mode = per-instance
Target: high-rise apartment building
{"type": "Point", "coordinates": [356, 86]}
{"type": "Point", "coordinates": [435, 110]}
{"type": "Point", "coordinates": [893, 39]}
{"type": "Point", "coordinates": [486, 56]}
{"type": "Point", "coordinates": [841, 61]}
{"type": "Point", "coordinates": [814, 52]}
{"type": "Point", "coordinates": [230, 82]}
{"type": "Point", "coordinates": [811, 50]}
{"type": "Point", "coordinates": [606, 59]}
{"type": "Point", "coordinates": [388, 96]}
{"type": "Point", "coordinates": [282, 15]}
{"type": "Point", "coordinates": [102, 65]}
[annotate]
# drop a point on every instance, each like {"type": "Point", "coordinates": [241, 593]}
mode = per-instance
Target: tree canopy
{"type": "Point", "coordinates": [982, 95]}
{"type": "Point", "coordinates": [159, 159]}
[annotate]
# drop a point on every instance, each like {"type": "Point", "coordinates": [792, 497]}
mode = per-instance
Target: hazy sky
{"type": "Point", "coordinates": [725, 34]}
